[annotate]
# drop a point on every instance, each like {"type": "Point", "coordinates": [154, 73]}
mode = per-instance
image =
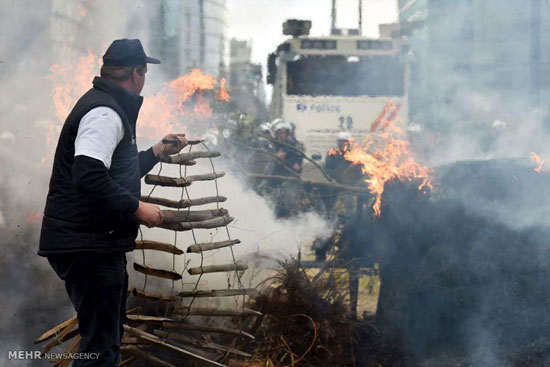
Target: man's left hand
{"type": "Point", "coordinates": [162, 150]}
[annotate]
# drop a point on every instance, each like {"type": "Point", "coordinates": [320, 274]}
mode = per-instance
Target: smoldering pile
{"type": "Point", "coordinates": [465, 269]}
{"type": "Point", "coordinates": [307, 320]}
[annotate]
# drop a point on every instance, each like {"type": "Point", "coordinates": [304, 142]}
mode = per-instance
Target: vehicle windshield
{"type": "Point", "coordinates": [379, 75]}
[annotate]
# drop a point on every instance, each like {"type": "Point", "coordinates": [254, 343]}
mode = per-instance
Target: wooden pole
{"type": "Point", "coordinates": [216, 268]}
{"type": "Point", "coordinates": [185, 203]}
{"type": "Point", "coordinates": [209, 329]}
{"type": "Point", "coordinates": [156, 341]}
{"type": "Point", "coordinates": [203, 311]}
{"type": "Point", "coordinates": [219, 293]}
{"type": "Point", "coordinates": [206, 246]}
{"type": "Point", "coordinates": [187, 226]}
{"type": "Point", "coordinates": [158, 246]}
{"type": "Point", "coordinates": [157, 272]}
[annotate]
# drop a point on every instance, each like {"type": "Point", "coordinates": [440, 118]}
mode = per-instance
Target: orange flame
{"type": "Point", "coordinates": [70, 82]}
{"type": "Point", "coordinates": [159, 112]}
{"type": "Point", "coordinates": [389, 161]}
{"type": "Point", "coordinates": [162, 110]}
{"type": "Point", "coordinates": [538, 160]}
{"type": "Point", "coordinates": [222, 94]}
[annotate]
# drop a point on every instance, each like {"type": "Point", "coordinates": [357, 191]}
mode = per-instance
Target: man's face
{"type": "Point", "coordinates": [139, 79]}
{"type": "Point", "coordinates": [342, 144]}
{"type": "Point", "coordinates": [282, 134]}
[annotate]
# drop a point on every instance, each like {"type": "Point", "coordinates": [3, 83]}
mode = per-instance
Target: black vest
{"type": "Point", "coordinates": [72, 221]}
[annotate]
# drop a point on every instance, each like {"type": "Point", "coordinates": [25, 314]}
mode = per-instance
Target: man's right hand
{"type": "Point", "coordinates": [149, 214]}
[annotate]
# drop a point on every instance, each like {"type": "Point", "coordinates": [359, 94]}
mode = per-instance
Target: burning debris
{"type": "Point", "coordinates": [188, 98]}
{"type": "Point", "coordinates": [459, 278]}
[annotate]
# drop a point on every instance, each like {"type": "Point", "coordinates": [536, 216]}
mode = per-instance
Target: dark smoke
{"type": "Point", "coordinates": [461, 276]}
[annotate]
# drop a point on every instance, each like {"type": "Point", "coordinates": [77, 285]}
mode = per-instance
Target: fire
{"type": "Point", "coordinates": [69, 82]}
{"type": "Point", "coordinates": [386, 159]}
{"type": "Point", "coordinates": [222, 94]}
{"type": "Point", "coordinates": [168, 107]}
{"type": "Point", "coordinates": [538, 160]}
{"type": "Point", "coordinates": [160, 113]}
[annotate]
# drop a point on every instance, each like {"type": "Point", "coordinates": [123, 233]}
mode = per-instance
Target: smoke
{"type": "Point", "coordinates": [477, 80]}
{"type": "Point", "coordinates": [465, 265]}
{"type": "Point", "coordinates": [33, 37]}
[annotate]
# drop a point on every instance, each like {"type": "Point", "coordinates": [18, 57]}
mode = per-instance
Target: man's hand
{"type": "Point", "coordinates": [163, 150]}
{"type": "Point", "coordinates": [149, 214]}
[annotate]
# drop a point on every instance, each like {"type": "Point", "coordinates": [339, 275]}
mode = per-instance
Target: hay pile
{"type": "Point", "coordinates": [307, 320]}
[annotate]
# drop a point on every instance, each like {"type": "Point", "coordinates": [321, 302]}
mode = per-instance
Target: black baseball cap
{"type": "Point", "coordinates": [127, 52]}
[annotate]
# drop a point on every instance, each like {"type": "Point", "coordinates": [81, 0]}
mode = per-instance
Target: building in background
{"type": "Point", "coordinates": [184, 34]}
{"type": "Point", "coordinates": [245, 80]}
{"type": "Point", "coordinates": [192, 35]}
{"type": "Point", "coordinates": [497, 49]}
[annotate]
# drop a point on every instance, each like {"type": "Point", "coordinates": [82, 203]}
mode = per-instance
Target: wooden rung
{"type": "Point", "coordinates": [209, 329]}
{"type": "Point", "coordinates": [157, 272]}
{"type": "Point", "coordinates": [180, 181]}
{"type": "Point", "coordinates": [204, 311]}
{"type": "Point", "coordinates": [217, 268]}
{"type": "Point", "coordinates": [55, 330]}
{"type": "Point", "coordinates": [180, 162]}
{"type": "Point", "coordinates": [187, 226]}
{"type": "Point", "coordinates": [153, 339]}
{"type": "Point", "coordinates": [176, 216]}
{"type": "Point", "coordinates": [153, 296]}
{"type": "Point", "coordinates": [206, 246]}
{"type": "Point", "coordinates": [146, 318]}
{"type": "Point", "coordinates": [184, 203]}
{"type": "Point", "coordinates": [200, 343]}
{"type": "Point", "coordinates": [219, 293]}
{"type": "Point", "coordinates": [134, 351]}
{"type": "Point", "coordinates": [181, 158]}
{"type": "Point", "coordinates": [158, 246]}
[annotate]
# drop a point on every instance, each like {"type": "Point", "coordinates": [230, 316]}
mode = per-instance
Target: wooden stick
{"type": "Point", "coordinates": [184, 203]}
{"type": "Point", "coordinates": [217, 268]}
{"type": "Point", "coordinates": [70, 349]}
{"type": "Point", "coordinates": [53, 331]}
{"type": "Point", "coordinates": [158, 246]}
{"type": "Point", "coordinates": [180, 181]}
{"type": "Point", "coordinates": [153, 296]}
{"type": "Point", "coordinates": [334, 186]}
{"type": "Point", "coordinates": [157, 272]}
{"type": "Point", "coordinates": [219, 293]}
{"type": "Point", "coordinates": [185, 157]}
{"type": "Point", "coordinates": [127, 361]}
{"type": "Point", "coordinates": [186, 226]}
{"type": "Point", "coordinates": [156, 341]}
{"type": "Point", "coordinates": [147, 318]}
{"type": "Point", "coordinates": [174, 216]}
{"type": "Point", "coordinates": [178, 326]}
{"type": "Point", "coordinates": [200, 343]}
{"type": "Point", "coordinates": [141, 354]}
{"type": "Point", "coordinates": [204, 311]}
{"type": "Point", "coordinates": [206, 246]}
{"type": "Point", "coordinates": [55, 341]}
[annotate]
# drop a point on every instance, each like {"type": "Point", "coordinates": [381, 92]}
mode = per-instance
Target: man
{"type": "Point", "coordinates": [283, 149]}
{"type": "Point", "coordinates": [93, 209]}
{"type": "Point", "coordinates": [336, 165]}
